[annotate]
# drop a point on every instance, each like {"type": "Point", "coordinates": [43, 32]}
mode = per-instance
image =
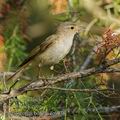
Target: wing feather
{"type": "Point", "coordinates": [40, 49]}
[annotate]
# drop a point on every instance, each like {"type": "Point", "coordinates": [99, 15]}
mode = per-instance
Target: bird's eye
{"type": "Point", "coordinates": [72, 28]}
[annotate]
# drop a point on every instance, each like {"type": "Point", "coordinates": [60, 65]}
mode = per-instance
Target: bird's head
{"type": "Point", "coordinates": [70, 27]}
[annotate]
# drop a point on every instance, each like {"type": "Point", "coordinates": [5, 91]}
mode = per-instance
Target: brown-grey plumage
{"type": "Point", "coordinates": [53, 49]}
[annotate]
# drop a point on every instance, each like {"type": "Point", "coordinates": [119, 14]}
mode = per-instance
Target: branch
{"type": "Point", "coordinates": [88, 60]}
{"type": "Point", "coordinates": [44, 83]}
{"type": "Point", "coordinates": [7, 74]}
{"type": "Point", "coordinates": [106, 110]}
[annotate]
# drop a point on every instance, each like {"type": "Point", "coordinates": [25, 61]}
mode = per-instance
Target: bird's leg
{"type": "Point", "coordinates": [65, 63]}
{"type": "Point", "coordinates": [38, 73]}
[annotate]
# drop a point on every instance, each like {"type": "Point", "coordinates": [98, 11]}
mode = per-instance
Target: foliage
{"type": "Point", "coordinates": [47, 101]}
{"type": "Point", "coordinates": [15, 47]}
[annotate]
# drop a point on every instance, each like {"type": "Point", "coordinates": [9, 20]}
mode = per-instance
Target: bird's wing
{"type": "Point", "coordinates": [40, 49]}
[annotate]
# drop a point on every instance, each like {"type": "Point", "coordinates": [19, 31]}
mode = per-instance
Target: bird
{"type": "Point", "coordinates": [53, 49]}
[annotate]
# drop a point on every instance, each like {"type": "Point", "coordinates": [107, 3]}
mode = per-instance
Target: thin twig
{"type": "Point", "coordinates": [61, 78]}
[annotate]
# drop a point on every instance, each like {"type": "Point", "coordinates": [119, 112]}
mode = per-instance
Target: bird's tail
{"type": "Point", "coordinates": [18, 73]}
{"type": "Point", "coordinates": [22, 67]}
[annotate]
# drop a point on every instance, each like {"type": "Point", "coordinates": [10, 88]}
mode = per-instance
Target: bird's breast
{"type": "Point", "coordinates": [57, 51]}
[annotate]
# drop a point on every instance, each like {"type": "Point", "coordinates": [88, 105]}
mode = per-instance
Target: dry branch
{"type": "Point", "coordinates": [106, 110]}
{"type": "Point", "coordinates": [43, 83]}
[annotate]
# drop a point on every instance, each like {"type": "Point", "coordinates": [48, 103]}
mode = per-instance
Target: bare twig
{"type": "Point", "coordinates": [80, 90]}
{"type": "Point", "coordinates": [7, 74]}
{"type": "Point", "coordinates": [39, 84]}
{"type": "Point", "coordinates": [88, 60]}
{"type": "Point", "coordinates": [105, 109]}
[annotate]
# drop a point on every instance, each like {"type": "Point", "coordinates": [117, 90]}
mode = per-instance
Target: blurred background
{"type": "Point", "coordinates": [24, 24]}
